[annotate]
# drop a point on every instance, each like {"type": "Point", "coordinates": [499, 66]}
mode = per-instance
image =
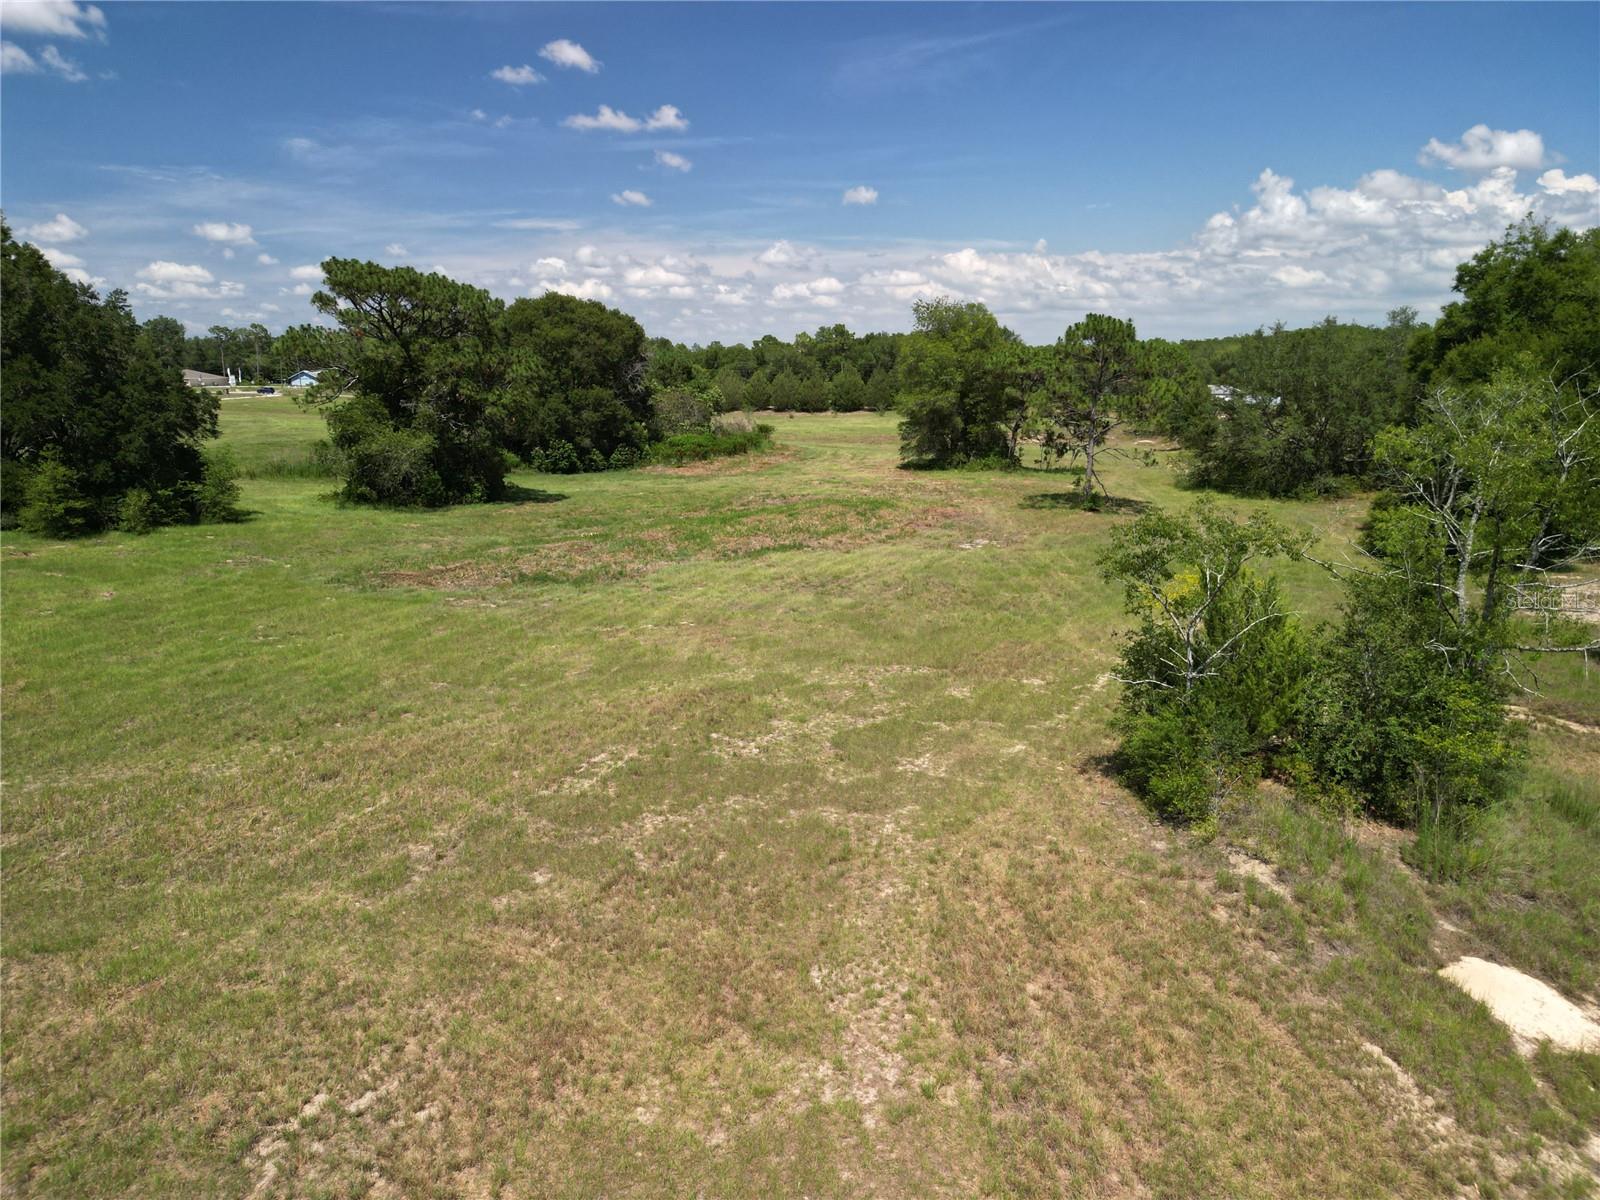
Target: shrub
{"type": "Point", "coordinates": [696, 447]}
{"type": "Point", "coordinates": [558, 458]}
{"type": "Point", "coordinates": [679, 411]}
{"type": "Point", "coordinates": [624, 457]}
{"type": "Point", "coordinates": [54, 504]}
{"type": "Point", "coordinates": [138, 512]}
{"type": "Point", "coordinates": [394, 466]}
{"type": "Point", "coordinates": [217, 498]}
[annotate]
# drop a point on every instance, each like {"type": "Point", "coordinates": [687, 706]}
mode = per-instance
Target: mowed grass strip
{"type": "Point", "coordinates": [760, 847]}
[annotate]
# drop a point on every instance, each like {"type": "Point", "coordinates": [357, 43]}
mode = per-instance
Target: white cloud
{"type": "Point", "coordinates": [552, 223]}
{"type": "Point", "coordinates": [664, 119]}
{"type": "Point", "coordinates": [59, 228]}
{"type": "Point", "coordinates": [861, 195]}
{"type": "Point", "coordinates": [478, 114]}
{"type": "Point", "coordinates": [310, 272]}
{"type": "Point", "coordinates": [822, 291]}
{"type": "Point", "coordinates": [60, 259]}
{"type": "Point", "coordinates": [783, 253]}
{"type": "Point", "coordinates": [299, 289]}
{"type": "Point", "coordinates": [564, 53]}
{"type": "Point", "coordinates": [588, 289]}
{"type": "Point", "coordinates": [1483, 149]}
{"type": "Point", "coordinates": [549, 266]}
{"type": "Point", "coordinates": [676, 162]}
{"type": "Point", "coordinates": [652, 276]}
{"type": "Point", "coordinates": [629, 197]}
{"type": "Point", "coordinates": [1559, 183]}
{"type": "Point", "coordinates": [266, 260]}
{"type": "Point", "coordinates": [162, 271]}
{"type": "Point", "coordinates": [52, 18]}
{"type": "Point", "coordinates": [62, 65]}
{"type": "Point", "coordinates": [516, 76]}
{"type": "Point", "coordinates": [14, 60]}
{"type": "Point", "coordinates": [223, 231]}
{"type": "Point", "coordinates": [667, 117]}
{"type": "Point", "coordinates": [395, 250]}
{"type": "Point", "coordinates": [1297, 277]}
{"type": "Point", "coordinates": [165, 280]}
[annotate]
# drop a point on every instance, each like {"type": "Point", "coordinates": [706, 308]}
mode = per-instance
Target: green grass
{"type": "Point", "coordinates": [732, 830]}
{"type": "Point", "coordinates": [271, 436]}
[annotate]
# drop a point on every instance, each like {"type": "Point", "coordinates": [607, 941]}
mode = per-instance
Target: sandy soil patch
{"type": "Point", "coordinates": [1533, 1010]}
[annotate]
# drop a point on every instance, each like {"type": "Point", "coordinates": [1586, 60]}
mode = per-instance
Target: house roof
{"type": "Point", "coordinates": [202, 378]}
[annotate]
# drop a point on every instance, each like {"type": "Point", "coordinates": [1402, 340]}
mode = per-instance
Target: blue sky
{"type": "Point", "coordinates": [1201, 168]}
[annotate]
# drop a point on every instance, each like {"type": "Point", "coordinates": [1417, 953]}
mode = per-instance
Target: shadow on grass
{"type": "Point", "coordinates": [1075, 501]}
{"type": "Point", "coordinates": [517, 494]}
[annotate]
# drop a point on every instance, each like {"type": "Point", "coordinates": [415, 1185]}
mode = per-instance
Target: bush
{"type": "Point", "coordinates": [217, 499]}
{"type": "Point", "coordinates": [679, 411]}
{"type": "Point", "coordinates": [624, 457]}
{"type": "Point", "coordinates": [558, 458]}
{"type": "Point", "coordinates": [697, 447]}
{"type": "Point", "coordinates": [53, 504]}
{"type": "Point", "coordinates": [394, 466]}
{"type": "Point", "coordinates": [138, 512]}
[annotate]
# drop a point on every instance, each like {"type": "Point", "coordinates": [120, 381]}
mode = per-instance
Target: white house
{"type": "Point", "coordinates": [303, 378]}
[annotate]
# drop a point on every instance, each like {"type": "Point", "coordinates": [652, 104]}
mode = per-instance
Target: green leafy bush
{"type": "Point", "coordinates": [53, 501]}
{"type": "Point", "coordinates": [217, 498]}
{"type": "Point", "coordinates": [697, 447]}
{"type": "Point", "coordinates": [138, 512]}
{"type": "Point", "coordinates": [394, 466]}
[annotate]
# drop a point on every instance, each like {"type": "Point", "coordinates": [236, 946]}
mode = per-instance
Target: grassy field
{"type": "Point", "coordinates": [736, 830]}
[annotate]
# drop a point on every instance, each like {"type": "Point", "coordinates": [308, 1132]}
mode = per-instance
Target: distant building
{"type": "Point", "coordinates": [204, 379]}
{"type": "Point", "coordinates": [304, 378]}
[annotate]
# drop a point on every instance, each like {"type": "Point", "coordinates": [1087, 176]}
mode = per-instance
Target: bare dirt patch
{"type": "Point", "coordinates": [1532, 1009]}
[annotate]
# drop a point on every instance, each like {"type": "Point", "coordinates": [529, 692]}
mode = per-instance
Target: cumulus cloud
{"type": "Point", "coordinates": [63, 66]}
{"type": "Point", "coordinates": [564, 53]}
{"type": "Point", "coordinates": [164, 280]}
{"type": "Point", "coordinates": [667, 118]}
{"type": "Point", "coordinates": [783, 253]}
{"type": "Point", "coordinates": [821, 292]}
{"type": "Point", "coordinates": [860, 195]}
{"type": "Point", "coordinates": [162, 271]}
{"type": "Point", "coordinates": [310, 272]}
{"type": "Point", "coordinates": [1297, 276]}
{"type": "Point", "coordinates": [1559, 183]}
{"type": "Point", "coordinates": [652, 276]}
{"type": "Point", "coordinates": [224, 231]}
{"type": "Point", "coordinates": [14, 60]}
{"type": "Point", "coordinates": [59, 228]}
{"type": "Point", "coordinates": [52, 18]}
{"type": "Point", "coordinates": [549, 266]}
{"type": "Point", "coordinates": [587, 289]}
{"type": "Point", "coordinates": [266, 260]}
{"type": "Point", "coordinates": [1484, 149]}
{"type": "Point", "coordinates": [674, 162]}
{"type": "Point", "coordinates": [629, 197]}
{"type": "Point", "coordinates": [60, 259]}
{"type": "Point", "coordinates": [517, 76]}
